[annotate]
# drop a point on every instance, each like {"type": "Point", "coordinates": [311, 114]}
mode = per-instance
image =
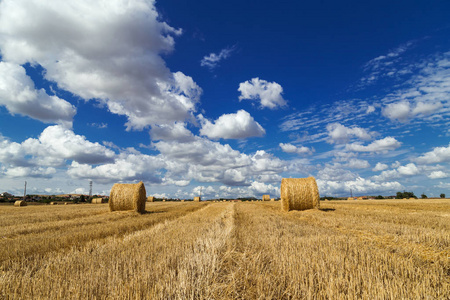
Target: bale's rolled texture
{"type": "Point", "coordinates": [126, 196]}
{"type": "Point", "coordinates": [150, 199]}
{"type": "Point", "coordinates": [266, 198]}
{"type": "Point", "coordinates": [20, 203]}
{"type": "Point", "coordinates": [97, 200]}
{"type": "Point", "coordinates": [299, 194]}
{"type": "Point", "coordinates": [197, 199]}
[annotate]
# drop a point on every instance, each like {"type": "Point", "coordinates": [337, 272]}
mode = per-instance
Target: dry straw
{"type": "Point", "coordinates": [359, 198]}
{"type": "Point", "coordinates": [273, 199]}
{"type": "Point", "coordinates": [127, 196]}
{"type": "Point", "coordinates": [299, 194]}
{"type": "Point", "coordinates": [197, 199]}
{"type": "Point", "coordinates": [266, 198]}
{"type": "Point", "coordinates": [20, 203]}
{"type": "Point", "coordinates": [150, 199]}
{"type": "Point", "coordinates": [350, 198]}
{"type": "Point", "coordinates": [97, 200]}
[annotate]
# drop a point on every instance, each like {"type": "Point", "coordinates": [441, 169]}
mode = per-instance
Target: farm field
{"type": "Point", "coordinates": [385, 249]}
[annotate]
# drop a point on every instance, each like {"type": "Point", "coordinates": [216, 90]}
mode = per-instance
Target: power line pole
{"type": "Point", "coordinates": [201, 193]}
{"type": "Point", "coordinates": [351, 193]}
{"type": "Point", "coordinates": [90, 189]}
{"type": "Point", "coordinates": [25, 191]}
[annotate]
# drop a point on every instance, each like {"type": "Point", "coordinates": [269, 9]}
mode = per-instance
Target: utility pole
{"type": "Point", "coordinates": [201, 193]}
{"type": "Point", "coordinates": [25, 191]}
{"type": "Point", "coordinates": [90, 189]}
{"type": "Point", "coordinates": [351, 193]}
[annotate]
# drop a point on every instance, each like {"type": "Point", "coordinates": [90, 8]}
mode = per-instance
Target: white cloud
{"type": "Point", "coordinates": [438, 175]}
{"type": "Point", "coordinates": [173, 132]}
{"type": "Point", "coordinates": [54, 145]}
{"type": "Point", "coordinates": [289, 148]}
{"type": "Point", "coordinates": [19, 96]}
{"type": "Point", "coordinates": [240, 125]}
{"type": "Point", "coordinates": [41, 172]}
{"type": "Point", "coordinates": [386, 144]}
{"type": "Point", "coordinates": [403, 111]}
{"type": "Point", "coordinates": [359, 186]}
{"type": "Point", "coordinates": [104, 50]}
{"type": "Point", "coordinates": [409, 169]}
{"type": "Point", "coordinates": [355, 163]}
{"type": "Point", "coordinates": [370, 109]}
{"type": "Point", "coordinates": [437, 155]}
{"type": "Point", "coordinates": [212, 60]}
{"type": "Point", "coordinates": [261, 188]}
{"type": "Point", "coordinates": [269, 93]}
{"type": "Point", "coordinates": [380, 167]}
{"type": "Point", "coordinates": [338, 133]}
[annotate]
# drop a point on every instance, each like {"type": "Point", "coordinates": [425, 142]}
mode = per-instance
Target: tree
{"type": "Point", "coordinates": [379, 197]}
{"type": "Point", "coordinates": [442, 196]}
{"type": "Point", "coordinates": [82, 198]}
{"type": "Point", "coordinates": [406, 195]}
{"type": "Point", "coordinates": [423, 196]}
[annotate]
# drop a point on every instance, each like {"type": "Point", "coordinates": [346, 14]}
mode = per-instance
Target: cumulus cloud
{"type": "Point", "coordinates": [172, 132]}
{"type": "Point", "coordinates": [340, 134]}
{"type": "Point", "coordinates": [359, 186]}
{"type": "Point", "coordinates": [54, 146]}
{"type": "Point", "coordinates": [380, 167]}
{"type": "Point", "coordinates": [240, 125]}
{"type": "Point", "coordinates": [289, 148]}
{"type": "Point", "coordinates": [403, 111]}
{"type": "Point", "coordinates": [268, 93]}
{"type": "Point", "coordinates": [437, 155]}
{"type": "Point", "coordinates": [355, 163]}
{"type": "Point", "coordinates": [212, 60]}
{"type": "Point", "coordinates": [104, 50]}
{"type": "Point", "coordinates": [438, 175]}
{"type": "Point", "coordinates": [409, 170]}
{"type": "Point", "coordinates": [19, 96]}
{"type": "Point", "coordinates": [386, 144]}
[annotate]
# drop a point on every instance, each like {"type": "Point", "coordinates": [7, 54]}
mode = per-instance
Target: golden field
{"type": "Point", "coordinates": [384, 249]}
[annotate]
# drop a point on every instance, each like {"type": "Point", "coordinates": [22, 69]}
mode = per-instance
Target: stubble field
{"type": "Point", "coordinates": [387, 249]}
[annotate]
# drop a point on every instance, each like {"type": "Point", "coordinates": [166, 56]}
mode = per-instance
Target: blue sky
{"type": "Point", "coordinates": [225, 97]}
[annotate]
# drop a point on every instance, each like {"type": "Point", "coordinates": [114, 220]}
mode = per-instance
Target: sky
{"type": "Point", "coordinates": [225, 98]}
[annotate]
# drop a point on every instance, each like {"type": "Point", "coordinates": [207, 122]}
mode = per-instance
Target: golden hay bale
{"type": "Point", "coordinates": [127, 196]}
{"type": "Point", "coordinates": [197, 199]}
{"type": "Point", "coordinates": [299, 194]}
{"type": "Point", "coordinates": [359, 198]}
{"type": "Point", "coordinates": [182, 200]}
{"type": "Point", "coordinates": [266, 198]}
{"type": "Point", "coordinates": [20, 203]}
{"type": "Point", "coordinates": [350, 198]}
{"type": "Point", "coordinates": [272, 199]}
{"type": "Point", "coordinates": [97, 200]}
{"type": "Point", "coordinates": [150, 199]}
{"type": "Point", "coordinates": [53, 203]}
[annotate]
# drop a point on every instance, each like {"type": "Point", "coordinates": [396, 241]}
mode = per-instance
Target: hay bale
{"type": "Point", "coordinates": [350, 198]}
{"type": "Point", "coordinates": [20, 203]}
{"type": "Point", "coordinates": [266, 198]}
{"type": "Point", "coordinates": [299, 194]}
{"type": "Point", "coordinates": [53, 203]}
{"type": "Point", "coordinates": [359, 198]}
{"type": "Point", "coordinates": [197, 199]}
{"type": "Point", "coordinates": [127, 196]}
{"type": "Point", "coordinates": [272, 199]}
{"type": "Point", "coordinates": [97, 200]}
{"type": "Point", "coordinates": [150, 199]}
{"type": "Point", "coordinates": [182, 200]}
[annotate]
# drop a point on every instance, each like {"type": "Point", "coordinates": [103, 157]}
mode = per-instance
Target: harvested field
{"type": "Point", "coordinates": [387, 249]}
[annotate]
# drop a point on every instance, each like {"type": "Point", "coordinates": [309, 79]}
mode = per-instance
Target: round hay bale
{"type": "Point", "coordinates": [350, 198]}
{"type": "Point", "coordinates": [53, 203]}
{"type": "Point", "coordinates": [20, 203]}
{"type": "Point", "coordinates": [97, 200]}
{"type": "Point", "coordinates": [127, 196]}
{"type": "Point", "coordinates": [197, 199]}
{"type": "Point", "coordinates": [266, 198]}
{"type": "Point", "coordinates": [150, 199]}
{"type": "Point", "coordinates": [272, 199]}
{"type": "Point", "coordinates": [182, 200]}
{"type": "Point", "coordinates": [359, 198]}
{"type": "Point", "coordinates": [299, 194]}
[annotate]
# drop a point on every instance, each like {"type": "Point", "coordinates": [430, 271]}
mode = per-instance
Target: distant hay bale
{"type": "Point", "coordinates": [350, 198]}
{"type": "Point", "coordinates": [299, 194]}
{"type": "Point", "coordinates": [53, 203]}
{"type": "Point", "coordinates": [150, 199]}
{"type": "Point", "coordinates": [127, 196]}
{"type": "Point", "coordinates": [20, 203]}
{"type": "Point", "coordinates": [359, 198]}
{"type": "Point", "coordinates": [182, 200]}
{"type": "Point", "coordinates": [97, 200]}
{"type": "Point", "coordinates": [266, 198]}
{"type": "Point", "coordinates": [197, 199]}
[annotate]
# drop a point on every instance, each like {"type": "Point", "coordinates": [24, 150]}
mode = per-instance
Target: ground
{"type": "Point", "coordinates": [384, 249]}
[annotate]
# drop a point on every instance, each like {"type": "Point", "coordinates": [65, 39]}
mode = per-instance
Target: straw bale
{"type": "Point", "coordinates": [350, 198]}
{"type": "Point", "coordinates": [197, 199]}
{"type": "Point", "coordinates": [127, 196]}
{"type": "Point", "coordinates": [20, 203]}
{"type": "Point", "coordinates": [359, 198]}
{"type": "Point", "coordinates": [53, 203]}
{"type": "Point", "coordinates": [266, 198]}
{"type": "Point", "coordinates": [299, 194]}
{"type": "Point", "coordinates": [97, 200]}
{"type": "Point", "coordinates": [272, 199]}
{"type": "Point", "coordinates": [150, 199]}
{"type": "Point", "coordinates": [182, 200]}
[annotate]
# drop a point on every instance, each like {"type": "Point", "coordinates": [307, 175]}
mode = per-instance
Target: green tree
{"type": "Point", "coordinates": [442, 196]}
{"type": "Point", "coordinates": [423, 196]}
{"type": "Point", "coordinates": [82, 198]}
